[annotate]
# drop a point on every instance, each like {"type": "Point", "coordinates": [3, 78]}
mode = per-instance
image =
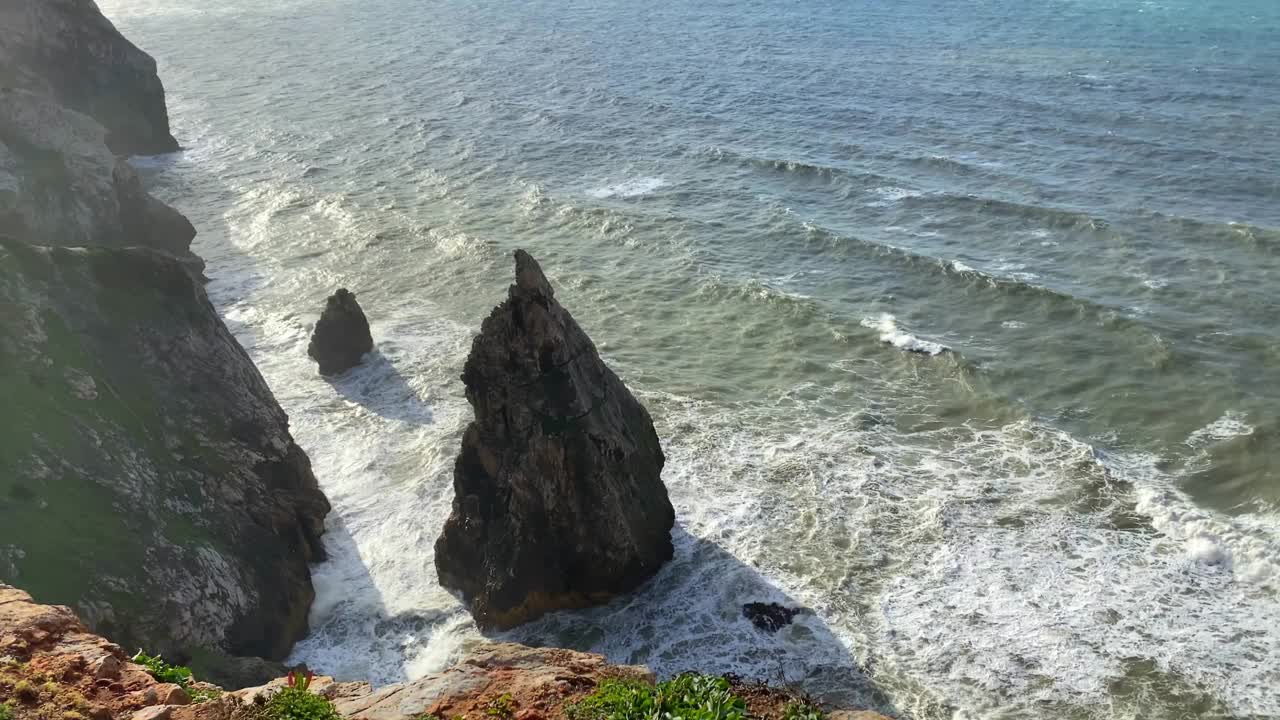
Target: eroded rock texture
{"type": "Point", "coordinates": [61, 185]}
{"type": "Point", "coordinates": [147, 475]}
{"type": "Point", "coordinates": [559, 501]}
{"type": "Point", "coordinates": [68, 50]}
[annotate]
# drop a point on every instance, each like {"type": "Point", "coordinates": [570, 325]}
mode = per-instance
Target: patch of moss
{"type": "Point", "coordinates": [61, 454]}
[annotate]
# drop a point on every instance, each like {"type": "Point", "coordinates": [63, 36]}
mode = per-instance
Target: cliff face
{"type": "Point", "coordinates": [558, 495]}
{"type": "Point", "coordinates": [147, 475]}
{"type": "Point", "coordinates": [66, 49]}
{"type": "Point", "coordinates": [60, 184]}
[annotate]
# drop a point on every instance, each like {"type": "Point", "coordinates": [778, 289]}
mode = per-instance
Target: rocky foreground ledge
{"type": "Point", "coordinates": [53, 668]}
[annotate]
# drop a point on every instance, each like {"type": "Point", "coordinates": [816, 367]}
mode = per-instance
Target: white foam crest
{"type": "Point", "coordinates": [887, 326]}
{"type": "Point", "coordinates": [1247, 545]}
{"type": "Point", "coordinates": [890, 194]}
{"type": "Point", "coordinates": [1021, 583]}
{"type": "Point", "coordinates": [381, 439]}
{"type": "Point", "coordinates": [453, 243]}
{"type": "Point", "coordinates": [1232, 424]}
{"type": "Point", "coordinates": [629, 188]}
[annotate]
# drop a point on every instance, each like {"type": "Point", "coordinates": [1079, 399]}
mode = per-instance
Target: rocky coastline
{"type": "Point", "coordinates": [133, 404]}
{"type": "Point", "coordinates": [130, 402]}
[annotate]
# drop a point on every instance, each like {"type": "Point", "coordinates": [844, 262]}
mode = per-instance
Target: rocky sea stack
{"type": "Point", "coordinates": [342, 334]}
{"type": "Point", "coordinates": [558, 496]}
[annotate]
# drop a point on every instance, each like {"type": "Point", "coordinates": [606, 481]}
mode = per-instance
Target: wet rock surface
{"type": "Point", "coordinates": [341, 336]}
{"type": "Point", "coordinates": [770, 617]}
{"type": "Point", "coordinates": [558, 496]}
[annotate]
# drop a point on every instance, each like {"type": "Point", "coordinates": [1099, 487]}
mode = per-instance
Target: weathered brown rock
{"type": "Point", "coordinates": [558, 496]}
{"type": "Point", "coordinates": [341, 336]}
{"type": "Point", "coordinates": [532, 677]}
{"type": "Point", "coordinates": [50, 641]}
{"type": "Point", "coordinates": [39, 642]}
{"type": "Point", "coordinates": [70, 51]}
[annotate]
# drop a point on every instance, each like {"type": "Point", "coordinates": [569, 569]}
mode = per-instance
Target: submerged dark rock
{"type": "Point", "coordinates": [342, 334]}
{"type": "Point", "coordinates": [558, 495]}
{"type": "Point", "coordinates": [68, 50]}
{"type": "Point", "coordinates": [769, 617]}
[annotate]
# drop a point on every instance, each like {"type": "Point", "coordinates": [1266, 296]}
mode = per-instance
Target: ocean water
{"type": "Point", "coordinates": [958, 320]}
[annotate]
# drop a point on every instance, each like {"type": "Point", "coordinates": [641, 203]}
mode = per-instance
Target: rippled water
{"type": "Point", "coordinates": [958, 320]}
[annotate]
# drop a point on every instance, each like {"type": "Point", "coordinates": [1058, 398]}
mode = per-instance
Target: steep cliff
{"type": "Point", "coordinates": [60, 184]}
{"type": "Point", "coordinates": [558, 495]}
{"type": "Point", "coordinates": [67, 50]}
{"type": "Point", "coordinates": [147, 475]}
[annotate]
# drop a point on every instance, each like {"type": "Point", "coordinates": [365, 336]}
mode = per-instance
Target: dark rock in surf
{"type": "Point", "coordinates": [769, 617]}
{"type": "Point", "coordinates": [558, 496]}
{"type": "Point", "coordinates": [341, 336]}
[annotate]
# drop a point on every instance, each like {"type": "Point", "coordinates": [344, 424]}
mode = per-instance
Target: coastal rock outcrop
{"type": "Point", "coordinates": [770, 617]}
{"type": "Point", "coordinates": [341, 336]}
{"type": "Point", "coordinates": [67, 50]}
{"type": "Point", "coordinates": [61, 185]}
{"type": "Point", "coordinates": [558, 496]}
{"type": "Point", "coordinates": [148, 477]}
{"type": "Point", "coordinates": [72, 673]}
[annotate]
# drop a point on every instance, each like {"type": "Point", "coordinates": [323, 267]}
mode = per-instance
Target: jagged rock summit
{"type": "Point", "coordinates": [342, 334]}
{"type": "Point", "coordinates": [558, 496]}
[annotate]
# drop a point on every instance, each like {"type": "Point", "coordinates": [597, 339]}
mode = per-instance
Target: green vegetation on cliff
{"type": "Point", "coordinates": [147, 475]}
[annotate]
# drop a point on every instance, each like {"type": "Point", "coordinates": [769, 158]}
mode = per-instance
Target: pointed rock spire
{"type": "Point", "coordinates": [558, 495]}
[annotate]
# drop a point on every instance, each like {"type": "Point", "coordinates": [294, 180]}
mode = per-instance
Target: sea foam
{"type": "Point", "coordinates": [890, 333]}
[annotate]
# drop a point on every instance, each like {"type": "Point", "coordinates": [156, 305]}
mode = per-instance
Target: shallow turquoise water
{"type": "Point", "coordinates": [757, 209]}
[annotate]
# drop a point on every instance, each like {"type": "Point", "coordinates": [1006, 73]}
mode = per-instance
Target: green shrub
{"type": "Point", "coordinates": [298, 703]}
{"type": "Point", "coordinates": [6, 711]}
{"type": "Point", "coordinates": [199, 695]}
{"type": "Point", "coordinates": [163, 671]}
{"type": "Point", "coordinates": [802, 710]}
{"type": "Point", "coordinates": [688, 697]}
{"type": "Point", "coordinates": [503, 707]}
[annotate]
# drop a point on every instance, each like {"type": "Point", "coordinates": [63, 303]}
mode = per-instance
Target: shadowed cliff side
{"type": "Point", "coordinates": [61, 185]}
{"type": "Point", "coordinates": [558, 494]}
{"type": "Point", "coordinates": [68, 50]}
{"type": "Point", "coordinates": [147, 475]}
